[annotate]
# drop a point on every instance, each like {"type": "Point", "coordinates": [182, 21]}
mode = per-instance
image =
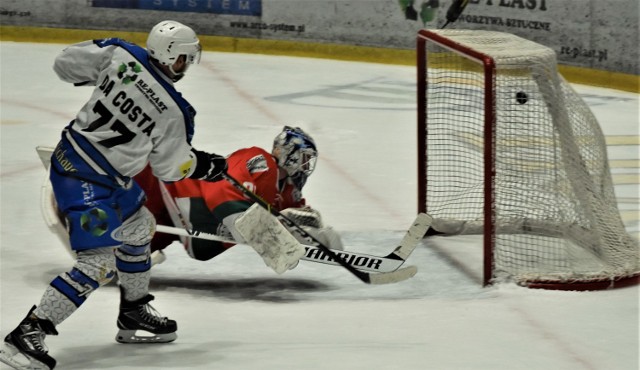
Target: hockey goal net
{"type": "Point", "coordinates": [508, 151]}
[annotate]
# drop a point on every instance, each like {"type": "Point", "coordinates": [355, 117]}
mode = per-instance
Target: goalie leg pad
{"type": "Point", "coordinates": [262, 231]}
{"type": "Point", "coordinates": [53, 217]}
{"type": "Point", "coordinates": [311, 221]}
{"type": "Point", "coordinates": [326, 235]}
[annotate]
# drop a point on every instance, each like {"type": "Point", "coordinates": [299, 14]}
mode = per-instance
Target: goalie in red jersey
{"type": "Point", "coordinates": [277, 177]}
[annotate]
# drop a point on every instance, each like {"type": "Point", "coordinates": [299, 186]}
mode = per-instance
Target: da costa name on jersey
{"type": "Point", "coordinates": [108, 84]}
{"type": "Point", "coordinates": [129, 108]}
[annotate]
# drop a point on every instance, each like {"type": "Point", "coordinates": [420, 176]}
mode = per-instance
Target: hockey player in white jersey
{"type": "Point", "coordinates": [134, 117]}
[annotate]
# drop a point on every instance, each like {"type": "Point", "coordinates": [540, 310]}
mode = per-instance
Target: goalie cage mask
{"type": "Point", "coordinates": [295, 152]}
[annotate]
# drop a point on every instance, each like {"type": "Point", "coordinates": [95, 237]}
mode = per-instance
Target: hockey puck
{"type": "Point", "coordinates": [521, 97]}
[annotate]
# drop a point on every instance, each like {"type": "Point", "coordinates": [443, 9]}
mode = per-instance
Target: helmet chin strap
{"type": "Point", "coordinates": [177, 76]}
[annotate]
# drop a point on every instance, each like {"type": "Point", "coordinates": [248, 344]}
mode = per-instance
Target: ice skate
{"type": "Point", "coordinates": [24, 347]}
{"type": "Point", "coordinates": [139, 322]}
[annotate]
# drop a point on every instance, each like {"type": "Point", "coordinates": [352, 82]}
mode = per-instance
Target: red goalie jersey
{"type": "Point", "coordinates": [206, 204]}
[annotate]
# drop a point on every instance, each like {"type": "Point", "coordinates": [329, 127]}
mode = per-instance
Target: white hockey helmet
{"type": "Point", "coordinates": [170, 39]}
{"type": "Point", "coordinates": [296, 153]}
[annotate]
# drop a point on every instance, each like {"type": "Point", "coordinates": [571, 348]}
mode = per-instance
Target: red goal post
{"type": "Point", "coordinates": [509, 152]}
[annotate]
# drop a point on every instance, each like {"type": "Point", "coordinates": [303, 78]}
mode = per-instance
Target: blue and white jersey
{"type": "Point", "coordinates": [134, 116]}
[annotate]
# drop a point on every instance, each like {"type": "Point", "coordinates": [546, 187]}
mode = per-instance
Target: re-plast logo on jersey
{"type": "Point", "coordinates": [151, 95]}
{"type": "Point", "coordinates": [128, 73]}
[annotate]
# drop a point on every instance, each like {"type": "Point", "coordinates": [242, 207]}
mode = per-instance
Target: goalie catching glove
{"type": "Point", "coordinates": [311, 221]}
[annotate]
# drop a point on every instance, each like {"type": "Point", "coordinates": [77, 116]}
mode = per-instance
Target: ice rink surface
{"type": "Point", "coordinates": [233, 312]}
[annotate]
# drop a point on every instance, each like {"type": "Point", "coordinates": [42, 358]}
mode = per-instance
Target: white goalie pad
{"type": "Point", "coordinates": [264, 233]}
{"type": "Point", "coordinates": [325, 235]}
{"type": "Point", "coordinates": [311, 221]}
{"type": "Point", "coordinates": [48, 206]}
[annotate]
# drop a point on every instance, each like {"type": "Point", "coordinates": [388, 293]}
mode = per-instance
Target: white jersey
{"type": "Point", "coordinates": [134, 116]}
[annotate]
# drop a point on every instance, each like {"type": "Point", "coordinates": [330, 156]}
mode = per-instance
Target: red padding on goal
{"type": "Point", "coordinates": [585, 285]}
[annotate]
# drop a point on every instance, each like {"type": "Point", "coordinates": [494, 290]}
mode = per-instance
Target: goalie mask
{"type": "Point", "coordinates": [168, 40]}
{"type": "Point", "coordinates": [296, 153]}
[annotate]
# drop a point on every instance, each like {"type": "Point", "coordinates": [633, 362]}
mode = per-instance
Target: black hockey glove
{"type": "Point", "coordinates": [217, 169]}
{"type": "Point", "coordinates": [210, 167]}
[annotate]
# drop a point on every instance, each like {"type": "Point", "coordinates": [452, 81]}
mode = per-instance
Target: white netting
{"type": "Point", "coordinates": [555, 210]}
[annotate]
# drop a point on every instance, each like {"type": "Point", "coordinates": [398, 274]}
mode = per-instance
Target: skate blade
{"type": "Point", "coordinates": [141, 336]}
{"type": "Point", "coordinates": [11, 356]}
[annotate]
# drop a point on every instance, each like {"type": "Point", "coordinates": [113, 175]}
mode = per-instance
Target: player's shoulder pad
{"type": "Point", "coordinates": [114, 41]}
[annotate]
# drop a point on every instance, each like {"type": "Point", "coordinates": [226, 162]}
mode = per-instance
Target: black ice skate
{"type": "Point", "coordinates": [24, 347]}
{"type": "Point", "coordinates": [139, 316]}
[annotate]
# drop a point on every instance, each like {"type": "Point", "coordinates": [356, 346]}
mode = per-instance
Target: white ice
{"type": "Point", "coordinates": [233, 312]}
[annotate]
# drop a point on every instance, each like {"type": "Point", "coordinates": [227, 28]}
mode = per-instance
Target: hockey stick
{"type": "Point", "coordinates": [454, 11]}
{"type": "Point", "coordinates": [366, 277]}
{"type": "Point", "coordinates": [361, 261]}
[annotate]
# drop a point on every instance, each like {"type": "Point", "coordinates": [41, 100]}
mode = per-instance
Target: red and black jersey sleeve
{"type": "Point", "coordinates": [252, 167]}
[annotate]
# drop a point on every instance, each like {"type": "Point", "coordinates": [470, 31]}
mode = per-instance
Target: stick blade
{"type": "Point", "coordinates": [413, 236]}
{"type": "Point", "coordinates": [393, 276]}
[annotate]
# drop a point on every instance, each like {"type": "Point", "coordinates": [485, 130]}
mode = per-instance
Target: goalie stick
{"type": "Point", "coordinates": [421, 225]}
{"type": "Point", "coordinates": [360, 261]}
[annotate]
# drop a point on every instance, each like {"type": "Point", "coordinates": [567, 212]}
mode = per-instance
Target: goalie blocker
{"type": "Point", "coordinates": [277, 247]}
